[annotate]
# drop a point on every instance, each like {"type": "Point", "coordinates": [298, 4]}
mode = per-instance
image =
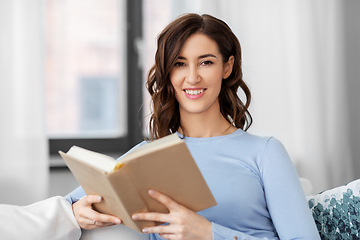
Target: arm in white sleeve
{"type": "Point", "coordinates": [48, 219]}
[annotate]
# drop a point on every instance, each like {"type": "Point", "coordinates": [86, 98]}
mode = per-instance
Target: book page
{"type": "Point", "coordinates": [98, 160]}
{"type": "Point", "coordinates": [153, 146]}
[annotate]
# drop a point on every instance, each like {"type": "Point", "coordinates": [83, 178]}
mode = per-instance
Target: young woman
{"type": "Point", "coordinates": [193, 86]}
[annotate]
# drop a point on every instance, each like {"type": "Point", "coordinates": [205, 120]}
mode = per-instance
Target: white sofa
{"type": "Point", "coordinates": [117, 232]}
{"type": "Point", "coordinates": [336, 213]}
{"type": "Point", "coordinates": [53, 219]}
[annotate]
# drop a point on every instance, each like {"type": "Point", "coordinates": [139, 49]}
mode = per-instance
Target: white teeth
{"type": "Point", "coordinates": [194, 92]}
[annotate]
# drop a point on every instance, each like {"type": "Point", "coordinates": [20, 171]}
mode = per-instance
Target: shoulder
{"type": "Point", "coordinates": [273, 156]}
{"type": "Point", "coordinates": [262, 144]}
{"type": "Point", "coordinates": [266, 150]}
{"type": "Point", "coordinates": [249, 145]}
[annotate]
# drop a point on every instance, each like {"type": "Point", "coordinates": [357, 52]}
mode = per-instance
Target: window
{"type": "Point", "coordinates": [92, 74]}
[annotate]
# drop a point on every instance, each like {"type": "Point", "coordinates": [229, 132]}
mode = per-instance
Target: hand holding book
{"type": "Point", "coordinates": [88, 218]}
{"type": "Point", "coordinates": [164, 165]}
{"type": "Point", "coordinates": [181, 220]}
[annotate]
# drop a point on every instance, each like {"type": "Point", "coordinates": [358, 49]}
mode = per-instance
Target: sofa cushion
{"type": "Point", "coordinates": [337, 211]}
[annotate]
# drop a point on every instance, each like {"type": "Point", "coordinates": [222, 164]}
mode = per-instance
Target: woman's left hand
{"type": "Point", "coordinates": [183, 223]}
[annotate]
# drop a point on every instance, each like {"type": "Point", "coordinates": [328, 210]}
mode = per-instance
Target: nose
{"type": "Point", "coordinates": [193, 76]}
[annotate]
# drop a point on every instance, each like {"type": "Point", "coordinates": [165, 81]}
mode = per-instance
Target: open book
{"type": "Point", "coordinates": [165, 165]}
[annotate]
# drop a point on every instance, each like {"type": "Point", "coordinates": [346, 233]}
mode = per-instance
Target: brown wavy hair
{"type": "Point", "coordinates": [165, 116]}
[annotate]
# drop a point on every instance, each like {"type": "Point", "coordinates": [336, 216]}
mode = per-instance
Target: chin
{"type": "Point", "coordinates": [194, 110]}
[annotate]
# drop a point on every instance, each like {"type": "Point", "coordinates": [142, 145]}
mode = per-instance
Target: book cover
{"type": "Point", "coordinates": [165, 165]}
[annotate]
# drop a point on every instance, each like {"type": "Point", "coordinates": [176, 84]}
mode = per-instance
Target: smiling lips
{"type": "Point", "coordinates": [194, 93]}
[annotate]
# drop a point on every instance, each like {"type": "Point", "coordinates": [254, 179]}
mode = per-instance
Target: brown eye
{"type": "Point", "coordinates": [206, 63]}
{"type": "Point", "coordinates": [179, 64]}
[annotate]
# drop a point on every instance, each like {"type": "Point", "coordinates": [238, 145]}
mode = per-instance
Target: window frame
{"type": "Point", "coordinates": [134, 96]}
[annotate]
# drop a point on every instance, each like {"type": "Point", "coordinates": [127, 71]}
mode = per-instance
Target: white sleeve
{"type": "Point", "coordinates": [51, 218]}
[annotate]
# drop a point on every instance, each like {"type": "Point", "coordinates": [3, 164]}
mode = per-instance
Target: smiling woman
{"type": "Point", "coordinates": [197, 78]}
{"type": "Point", "coordinates": [193, 85]}
{"type": "Point", "coordinates": [185, 56]}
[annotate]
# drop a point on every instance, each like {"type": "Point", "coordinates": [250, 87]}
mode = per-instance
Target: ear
{"type": "Point", "coordinates": [228, 67]}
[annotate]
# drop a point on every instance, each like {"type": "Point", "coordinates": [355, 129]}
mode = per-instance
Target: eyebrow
{"type": "Point", "coordinates": [202, 56]}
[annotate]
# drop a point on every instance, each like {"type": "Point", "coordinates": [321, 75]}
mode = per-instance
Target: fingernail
{"type": "Point", "coordinates": [145, 230]}
{"type": "Point", "coordinates": [117, 221]}
{"type": "Point", "coordinates": [151, 192]}
{"type": "Point", "coordinates": [135, 217]}
{"type": "Point", "coordinates": [98, 198]}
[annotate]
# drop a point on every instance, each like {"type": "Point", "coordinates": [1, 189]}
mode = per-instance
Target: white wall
{"type": "Point", "coordinates": [352, 78]}
{"type": "Point", "coordinates": [23, 143]}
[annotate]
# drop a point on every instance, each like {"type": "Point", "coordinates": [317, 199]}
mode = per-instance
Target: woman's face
{"type": "Point", "coordinates": [197, 75]}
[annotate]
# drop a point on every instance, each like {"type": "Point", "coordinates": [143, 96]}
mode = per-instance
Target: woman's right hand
{"type": "Point", "coordinates": [88, 218]}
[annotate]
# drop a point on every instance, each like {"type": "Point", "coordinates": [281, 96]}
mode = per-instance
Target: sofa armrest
{"type": "Point", "coordinates": [117, 232]}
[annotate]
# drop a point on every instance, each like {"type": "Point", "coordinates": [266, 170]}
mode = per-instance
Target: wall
{"type": "Point", "coordinates": [352, 63]}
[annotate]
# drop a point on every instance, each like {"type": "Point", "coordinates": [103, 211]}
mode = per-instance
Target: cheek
{"type": "Point", "coordinates": [175, 87]}
{"type": "Point", "coordinates": [214, 79]}
{"type": "Point", "coordinates": [175, 81]}
{"type": "Point", "coordinates": [172, 77]}
{"type": "Point", "coordinates": [213, 73]}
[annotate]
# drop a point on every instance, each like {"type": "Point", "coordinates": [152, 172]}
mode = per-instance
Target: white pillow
{"type": "Point", "coordinates": [337, 212]}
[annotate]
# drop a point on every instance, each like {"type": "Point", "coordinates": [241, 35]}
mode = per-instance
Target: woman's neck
{"type": "Point", "coordinates": [205, 125]}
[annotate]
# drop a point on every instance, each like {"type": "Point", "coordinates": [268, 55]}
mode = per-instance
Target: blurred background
{"type": "Point", "coordinates": [72, 72]}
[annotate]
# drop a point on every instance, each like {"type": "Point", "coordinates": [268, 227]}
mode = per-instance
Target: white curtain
{"type": "Point", "coordinates": [293, 63]}
{"type": "Point", "coordinates": [23, 144]}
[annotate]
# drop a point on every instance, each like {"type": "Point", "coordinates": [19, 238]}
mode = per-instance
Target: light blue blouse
{"type": "Point", "coordinates": [256, 187]}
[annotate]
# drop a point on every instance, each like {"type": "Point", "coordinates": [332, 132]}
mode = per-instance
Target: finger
{"type": "Point", "coordinates": [105, 219]}
{"type": "Point", "coordinates": [168, 202]}
{"type": "Point", "coordinates": [92, 224]}
{"type": "Point", "coordinates": [91, 199]}
{"type": "Point", "coordinates": [162, 229]}
{"type": "Point", "coordinates": [102, 224]}
{"type": "Point", "coordinates": [88, 224]}
{"type": "Point", "coordinates": [152, 216]}
{"type": "Point", "coordinates": [101, 219]}
{"type": "Point", "coordinates": [89, 213]}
